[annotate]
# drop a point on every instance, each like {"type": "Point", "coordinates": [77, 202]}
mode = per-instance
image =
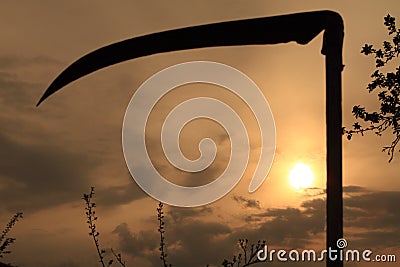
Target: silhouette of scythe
{"type": "Point", "coordinates": [299, 27]}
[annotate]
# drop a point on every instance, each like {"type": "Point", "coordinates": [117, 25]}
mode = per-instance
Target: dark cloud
{"type": "Point", "coordinates": [354, 189]}
{"type": "Point", "coordinates": [40, 176]}
{"type": "Point", "coordinates": [194, 241]}
{"type": "Point", "coordinates": [136, 244]}
{"type": "Point", "coordinates": [16, 92]}
{"type": "Point", "coordinates": [377, 215]}
{"type": "Point", "coordinates": [177, 214]}
{"type": "Point", "coordinates": [9, 62]}
{"type": "Point", "coordinates": [246, 202]}
{"type": "Point", "coordinates": [314, 191]}
{"type": "Point", "coordinates": [291, 227]}
{"type": "Point", "coordinates": [197, 243]}
{"type": "Point", "coordinates": [112, 196]}
{"type": "Point", "coordinates": [36, 171]}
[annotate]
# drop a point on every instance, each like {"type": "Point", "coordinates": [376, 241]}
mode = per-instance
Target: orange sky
{"type": "Point", "coordinates": [51, 155]}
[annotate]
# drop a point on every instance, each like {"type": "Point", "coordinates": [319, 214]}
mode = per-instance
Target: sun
{"type": "Point", "coordinates": [301, 176]}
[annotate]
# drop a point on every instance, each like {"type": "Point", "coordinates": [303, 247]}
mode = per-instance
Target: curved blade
{"type": "Point", "coordinates": [300, 27]}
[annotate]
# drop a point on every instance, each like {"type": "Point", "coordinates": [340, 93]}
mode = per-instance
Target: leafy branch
{"type": "Point", "coordinates": [161, 230]}
{"type": "Point", "coordinates": [118, 257]}
{"type": "Point", "coordinates": [247, 256]}
{"type": "Point", "coordinates": [91, 221]}
{"type": "Point", "coordinates": [388, 85]}
{"type": "Point", "coordinates": [7, 241]}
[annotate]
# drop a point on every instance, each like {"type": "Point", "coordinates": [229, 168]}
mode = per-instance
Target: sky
{"type": "Point", "coordinates": [51, 155]}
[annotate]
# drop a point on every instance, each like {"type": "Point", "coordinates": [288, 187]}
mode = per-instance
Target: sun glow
{"type": "Point", "coordinates": [301, 176]}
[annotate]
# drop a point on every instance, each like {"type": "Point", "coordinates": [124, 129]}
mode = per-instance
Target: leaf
{"type": "Point", "coordinates": [367, 49]}
{"type": "Point", "coordinates": [357, 126]}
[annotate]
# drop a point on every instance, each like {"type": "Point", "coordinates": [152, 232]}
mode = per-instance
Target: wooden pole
{"type": "Point", "coordinates": [332, 48]}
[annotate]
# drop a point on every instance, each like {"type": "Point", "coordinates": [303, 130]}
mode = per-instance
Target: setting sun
{"type": "Point", "coordinates": [301, 176]}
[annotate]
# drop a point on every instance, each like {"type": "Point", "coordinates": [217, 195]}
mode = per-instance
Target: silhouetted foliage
{"type": "Point", "coordinates": [388, 86]}
{"type": "Point", "coordinates": [91, 221]}
{"type": "Point", "coordinates": [161, 230]}
{"type": "Point", "coordinates": [118, 257]}
{"type": "Point", "coordinates": [247, 256]}
{"type": "Point", "coordinates": [5, 241]}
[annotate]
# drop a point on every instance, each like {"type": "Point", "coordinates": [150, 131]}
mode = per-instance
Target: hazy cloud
{"type": "Point", "coordinates": [9, 62]}
{"type": "Point", "coordinates": [39, 176]}
{"type": "Point", "coordinates": [193, 241]}
{"type": "Point", "coordinates": [377, 215]}
{"type": "Point", "coordinates": [15, 92]}
{"type": "Point", "coordinates": [136, 244]}
{"type": "Point", "coordinates": [177, 214]}
{"type": "Point", "coordinates": [246, 202]}
{"type": "Point", "coordinates": [112, 196]}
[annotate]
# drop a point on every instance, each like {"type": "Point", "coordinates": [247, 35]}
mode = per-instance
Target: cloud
{"type": "Point", "coordinates": [136, 244]}
{"type": "Point", "coordinates": [354, 189]}
{"type": "Point", "coordinates": [40, 176]}
{"type": "Point", "coordinates": [375, 217]}
{"type": "Point", "coordinates": [246, 202]}
{"type": "Point", "coordinates": [37, 170]}
{"type": "Point", "coordinates": [9, 61]}
{"type": "Point", "coordinates": [112, 196]}
{"type": "Point", "coordinates": [15, 92]}
{"type": "Point", "coordinates": [196, 243]}
{"type": "Point", "coordinates": [192, 240]}
{"type": "Point", "coordinates": [35, 173]}
{"type": "Point", "coordinates": [177, 214]}
{"type": "Point", "coordinates": [290, 227]}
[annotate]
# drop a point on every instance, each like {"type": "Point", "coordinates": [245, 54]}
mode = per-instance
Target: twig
{"type": "Point", "coordinates": [91, 219]}
{"type": "Point", "coordinates": [249, 255]}
{"type": "Point", "coordinates": [161, 230]}
{"type": "Point", "coordinates": [388, 84]}
{"type": "Point", "coordinates": [8, 240]}
{"type": "Point", "coordinates": [119, 258]}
